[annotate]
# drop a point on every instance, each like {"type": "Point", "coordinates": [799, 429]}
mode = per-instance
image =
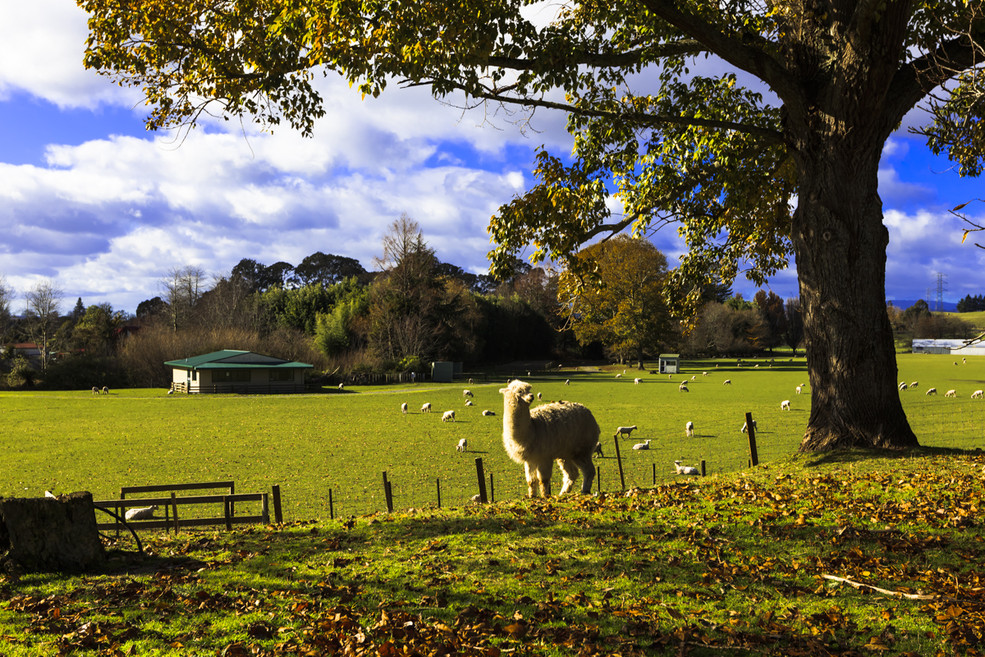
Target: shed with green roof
{"type": "Point", "coordinates": [237, 371]}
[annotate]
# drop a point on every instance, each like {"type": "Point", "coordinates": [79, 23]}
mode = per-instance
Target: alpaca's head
{"type": "Point", "coordinates": [516, 392]}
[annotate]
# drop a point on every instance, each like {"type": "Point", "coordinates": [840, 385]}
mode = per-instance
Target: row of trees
{"type": "Point", "coordinates": [970, 304]}
{"type": "Point", "coordinates": [413, 310]}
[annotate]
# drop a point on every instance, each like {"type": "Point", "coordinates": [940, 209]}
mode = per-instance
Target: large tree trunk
{"type": "Point", "coordinates": [840, 245]}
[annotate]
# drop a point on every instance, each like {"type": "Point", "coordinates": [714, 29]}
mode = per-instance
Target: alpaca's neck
{"type": "Point", "coordinates": [516, 422]}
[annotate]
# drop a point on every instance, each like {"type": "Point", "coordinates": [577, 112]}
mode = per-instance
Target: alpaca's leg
{"type": "Point", "coordinates": [587, 468]}
{"type": "Point", "coordinates": [570, 471]}
{"type": "Point", "coordinates": [531, 475]}
{"type": "Point", "coordinates": [544, 473]}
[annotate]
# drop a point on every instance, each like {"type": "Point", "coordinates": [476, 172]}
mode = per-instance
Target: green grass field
{"type": "Point", "coordinates": [344, 441]}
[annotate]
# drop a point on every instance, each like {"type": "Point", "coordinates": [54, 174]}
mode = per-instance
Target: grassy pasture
{"type": "Point", "coordinates": [344, 441]}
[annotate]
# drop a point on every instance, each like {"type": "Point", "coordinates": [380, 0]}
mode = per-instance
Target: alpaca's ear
{"type": "Point", "coordinates": [528, 398]}
{"type": "Point", "coordinates": [502, 391]}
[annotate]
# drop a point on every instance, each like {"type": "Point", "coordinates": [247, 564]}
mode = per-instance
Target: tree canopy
{"type": "Point", "coordinates": [713, 115]}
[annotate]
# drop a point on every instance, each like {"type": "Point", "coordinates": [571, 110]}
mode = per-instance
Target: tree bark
{"type": "Point", "coordinates": [840, 245]}
{"type": "Point", "coordinates": [43, 534]}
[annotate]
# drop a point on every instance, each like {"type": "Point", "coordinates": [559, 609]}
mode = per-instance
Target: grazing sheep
{"type": "Point", "coordinates": [978, 394]}
{"type": "Point", "coordinates": [704, 374]}
{"type": "Point", "coordinates": [745, 428]}
{"type": "Point", "coordinates": [785, 405]}
{"type": "Point", "coordinates": [403, 408]}
{"type": "Point", "coordinates": [902, 386]}
{"type": "Point", "coordinates": [683, 387]}
{"type": "Point", "coordinates": [559, 431]}
{"type": "Point", "coordinates": [689, 429]}
{"type": "Point", "coordinates": [798, 389]}
{"type": "Point", "coordinates": [105, 390]}
{"type": "Point", "coordinates": [694, 378]}
{"type": "Point", "coordinates": [727, 382]}
{"type": "Point", "coordinates": [637, 381]}
{"type": "Point", "coordinates": [141, 513]}
{"type": "Point", "coordinates": [341, 386]}
{"type": "Point", "coordinates": [51, 495]}
{"type": "Point", "coordinates": [539, 396]}
{"type": "Point", "coordinates": [426, 407]}
{"type": "Point", "coordinates": [643, 445]}
{"type": "Point", "coordinates": [931, 391]}
{"type": "Point", "coordinates": [467, 393]}
{"type": "Point", "coordinates": [619, 376]}
{"type": "Point", "coordinates": [625, 431]}
{"type": "Point", "coordinates": [567, 382]}
{"type": "Point", "coordinates": [463, 445]}
{"type": "Point", "coordinates": [914, 384]}
{"type": "Point", "coordinates": [487, 412]}
{"type": "Point", "coordinates": [448, 416]}
{"type": "Point", "coordinates": [964, 361]}
{"type": "Point", "coordinates": [598, 450]}
{"type": "Point", "coordinates": [951, 393]}
{"type": "Point", "coordinates": [468, 402]}
{"type": "Point", "coordinates": [685, 469]}
{"type": "Point", "coordinates": [95, 390]}
{"type": "Point", "coordinates": [470, 380]}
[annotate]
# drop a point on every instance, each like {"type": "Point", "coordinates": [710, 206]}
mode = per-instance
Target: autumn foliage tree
{"type": "Point", "coordinates": [621, 303]}
{"type": "Point", "coordinates": [657, 102]}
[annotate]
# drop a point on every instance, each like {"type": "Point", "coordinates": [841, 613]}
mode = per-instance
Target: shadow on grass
{"type": "Point", "coordinates": [839, 457]}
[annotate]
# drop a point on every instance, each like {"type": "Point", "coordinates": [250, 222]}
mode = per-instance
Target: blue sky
{"type": "Point", "coordinates": [91, 201]}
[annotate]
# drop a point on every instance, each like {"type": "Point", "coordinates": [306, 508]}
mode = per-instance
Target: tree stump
{"type": "Point", "coordinates": [51, 534]}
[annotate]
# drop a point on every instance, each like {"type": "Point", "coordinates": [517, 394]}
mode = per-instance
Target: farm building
{"type": "Point", "coordinates": [237, 371]}
{"type": "Point", "coordinates": [669, 363]}
{"type": "Point", "coordinates": [953, 347]}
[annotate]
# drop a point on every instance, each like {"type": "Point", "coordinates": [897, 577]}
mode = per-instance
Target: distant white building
{"type": "Point", "coordinates": [955, 347]}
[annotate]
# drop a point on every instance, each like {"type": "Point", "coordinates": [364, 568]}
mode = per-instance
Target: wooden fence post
{"type": "Point", "coordinates": [492, 489]}
{"type": "Point", "coordinates": [226, 511]}
{"type": "Point", "coordinates": [278, 515]}
{"type": "Point", "coordinates": [622, 476]}
{"type": "Point", "coordinates": [174, 509]}
{"type": "Point", "coordinates": [702, 467]}
{"type": "Point", "coordinates": [331, 505]}
{"type": "Point", "coordinates": [438, 483]}
{"type": "Point", "coordinates": [388, 494]}
{"type": "Point", "coordinates": [482, 481]}
{"type": "Point", "coordinates": [751, 430]}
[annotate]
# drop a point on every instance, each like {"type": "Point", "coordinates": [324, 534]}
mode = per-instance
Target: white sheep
{"type": "Point", "coordinates": [931, 391]}
{"type": "Point", "coordinates": [727, 382]}
{"type": "Point", "coordinates": [785, 405]}
{"type": "Point", "coordinates": [685, 469]}
{"type": "Point", "coordinates": [619, 376]}
{"type": "Point", "coordinates": [341, 386]}
{"type": "Point", "coordinates": [902, 386]}
{"type": "Point", "coordinates": [694, 378]}
{"type": "Point", "coordinates": [565, 432]}
{"type": "Point", "coordinates": [403, 408]}
{"type": "Point", "coordinates": [704, 374]}
{"type": "Point", "coordinates": [625, 431]}
{"type": "Point", "coordinates": [598, 451]}
{"type": "Point", "coordinates": [540, 396]}
{"type": "Point", "coordinates": [105, 390]}
{"type": "Point", "coordinates": [467, 393]}
{"type": "Point", "coordinates": [643, 445]}
{"type": "Point", "coordinates": [488, 412]}
{"type": "Point", "coordinates": [689, 429]}
{"type": "Point", "coordinates": [141, 513]}
{"type": "Point", "coordinates": [95, 390]}
{"type": "Point", "coordinates": [745, 428]}
{"type": "Point", "coordinates": [951, 393]}
{"type": "Point", "coordinates": [914, 384]}
{"type": "Point", "coordinates": [978, 394]}
{"type": "Point", "coordinates": [798, 389]}
{"type": "Point", "coordinates": [426, 407]}
{"type": "Point", "coordinates": [567, 382]}
{"type": "Point", "coordinates": [463, 445]}
{"type": "Point", "coordinates": [468, 402]}
{"type": "Point", "coordinates": [683, 387]}
{"type": "Point", "coordinates": [448, 416]}
{"type": "Point", "coordinates": [470, 380]}
{"type": "Point", "coordinates": [637, 381]}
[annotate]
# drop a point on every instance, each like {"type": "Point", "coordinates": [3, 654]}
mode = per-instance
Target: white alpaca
{"type": "Point", "coordinates": [931, 391]}
{"type": "Point", "coordinates": [403, 408]}
{"type": "Point", "coordinates": [448, 416]}
{"type": "Point", "coordinates": [141, 513]}
{"type": "Point", "coordinates": [727, 382]}
{"type": "Point", "coordinates": [643, 445]}
{"type": "Point", "coordinates": [625, 431]}
{"type": "Point", "coordinates": [685, 469]}
{"type": "Point", "coordinates": [785, 405]}
{"type": "Point", "coordinates": [426, 407]}
{"type": "Point", "coordinates": [978, 394]}
{"type": "Point", "coordinates": [689, 429]}
{"type": "Point", "coordinates": [951, 393]}
{"type": "Point", "coordinates": [559, 431]}
{"type": "Point", "coordinates": [463, 445]}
